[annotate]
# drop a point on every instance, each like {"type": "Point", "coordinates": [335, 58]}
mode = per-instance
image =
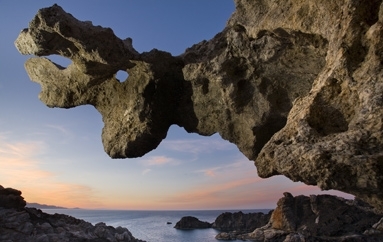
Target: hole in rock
{"type": "Point", "coordinates": [60, 61]}
{"type": "Point", "coordinates": [212, 173]}
{"type": "Point", "coordinates": [122, 76]}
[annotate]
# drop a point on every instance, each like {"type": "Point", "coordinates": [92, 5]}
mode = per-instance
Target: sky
{"type": "Point", "coordinates": [55, 156]}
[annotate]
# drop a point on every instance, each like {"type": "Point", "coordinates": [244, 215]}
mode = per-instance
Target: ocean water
{"type": "Point", "coordinates": [152, 226]}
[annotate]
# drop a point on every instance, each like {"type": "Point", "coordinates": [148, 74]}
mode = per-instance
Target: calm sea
{"type": "Point", "coordinates": [152, 226]}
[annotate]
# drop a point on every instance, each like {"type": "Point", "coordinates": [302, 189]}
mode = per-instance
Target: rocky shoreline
{"type": "Point", "coordinates": [19, 223]}
{"type": "Point", "coordinates": [300, 219]}
{"type": "Point", "coordinates": [295, 219]}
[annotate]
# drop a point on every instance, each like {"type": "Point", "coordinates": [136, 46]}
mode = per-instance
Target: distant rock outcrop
{"type": "Point", "coordinates": [234, 224]}
{"type": "Point", "coordinates": [190, 222]}
{"type": "Point", "coordinates": [43, 206]}
{"type": "Point", "coordinates": [18, 223]}
{"type": "Point", "coordinates": [296, 84]}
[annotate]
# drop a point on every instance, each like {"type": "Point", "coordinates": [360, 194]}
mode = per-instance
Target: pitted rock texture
{"type": "Point", "coordinates": [137, 112]}
{"type": "Point", "coordinates": [296, 85]}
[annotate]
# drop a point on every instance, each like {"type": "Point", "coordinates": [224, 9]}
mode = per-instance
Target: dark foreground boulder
{"type": "Point", "coordinates": [241, 222]}
{"type": "Point", "coordinates": [31, 224]}
{"type": "Point", "coordinates": [11, 198]}
{"type": "Point", "coordinates": [190, 222]}
{"type": "Point", "coordinates": [233, 225]}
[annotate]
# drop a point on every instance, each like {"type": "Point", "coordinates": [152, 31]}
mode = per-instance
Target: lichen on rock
{"type": "Point", "coordinates": [296, 85]}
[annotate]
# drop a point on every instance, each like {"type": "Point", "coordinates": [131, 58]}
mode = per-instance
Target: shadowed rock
{"type": "Point", "coordinates": [296, 85]}
{"type": "Point", "coordinates": [236, 225]}
{"type": "Point", "coordinates": [190, 222]}
{"type": "Point", "coordinates": [319, 218]}
{"type": "Point", "coordinates": [240, 222]}
{"type": "Point", "coordinates": [11, 198]}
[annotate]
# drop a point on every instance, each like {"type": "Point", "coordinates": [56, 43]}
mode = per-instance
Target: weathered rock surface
{"type": "Point", "coordinates": [320, 218]}
{"type": "Point", "coordinates": [190, 222]}
{"type": "Point", "coordinates": [29, 224]}
{"type": "Point", "coordinates": [296, 85]}
{"type": "Point", "coordinates": [239, 221]}
{"type": "Point", "coordinates": [233, 225]}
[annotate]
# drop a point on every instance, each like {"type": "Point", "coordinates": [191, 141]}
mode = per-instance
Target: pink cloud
{"type": "Point", "coordinates": [21, 149]}
{"type": "Point", "coordinates": [158, 160]}
{"type": "Point", "coordinates": [146, 171]}
{"type": "Point", "coordinates": [210, 173]}
{"type": "Point", "coordinates": [236, 168]}
{"type": "Point", "coordinates": [21, 169]}
{"type": "Point", "coordinates": [221, 195]}
{"type": "Point", "coordinates": [197, 146]}
{"type": "Point", "coordinates": [240, 192]}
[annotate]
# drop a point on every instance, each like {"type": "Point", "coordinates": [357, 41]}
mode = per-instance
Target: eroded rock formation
{"type": "Point", "coordinates": [296, 85]}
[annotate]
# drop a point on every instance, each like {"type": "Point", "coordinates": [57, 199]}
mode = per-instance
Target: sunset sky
{"type": "Point", "coordinates": [55, 156]}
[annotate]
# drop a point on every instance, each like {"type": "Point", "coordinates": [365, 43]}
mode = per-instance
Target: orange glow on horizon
{"type": "Point", "coordinates": [230, 186]}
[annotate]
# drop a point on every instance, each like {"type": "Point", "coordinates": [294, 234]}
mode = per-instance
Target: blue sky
{"type": "Point", "coordinates": [55, 156]}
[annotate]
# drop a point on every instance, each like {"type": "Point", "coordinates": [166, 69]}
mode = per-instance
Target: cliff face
{"type": "Point", "coordinates": [296, 85]}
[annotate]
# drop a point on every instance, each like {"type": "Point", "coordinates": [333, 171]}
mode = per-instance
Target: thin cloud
{"type": "Point", "coordinates": [21, 149]}
{"type": "Point", "coordinates": [197, 146]}
{"type": "Point", "coordinates": [146, 171]}
{"type": "Point", "coordinates": [21, 169]}
{"type": "Point", "coordinates": [249, 191]}
{"type": "Point", "coordinates": [158, 161]}
{"type": "Point", "coordinates": [238, 167]}
{"type": "Point", "coordinates": [18, 160]}
{"type": "Point", "coordinates": [66, 134]}
{"type": "Point", "coordinates": [61, 129]}
{"type": "Point", "coordinates": [210, 173]}
{"type": "Point", "coordinates": [64, 194]}
{"type": "Point", "coordinates": [215, 195]}
{"type": "Point", "coordinates": [4, 135]}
